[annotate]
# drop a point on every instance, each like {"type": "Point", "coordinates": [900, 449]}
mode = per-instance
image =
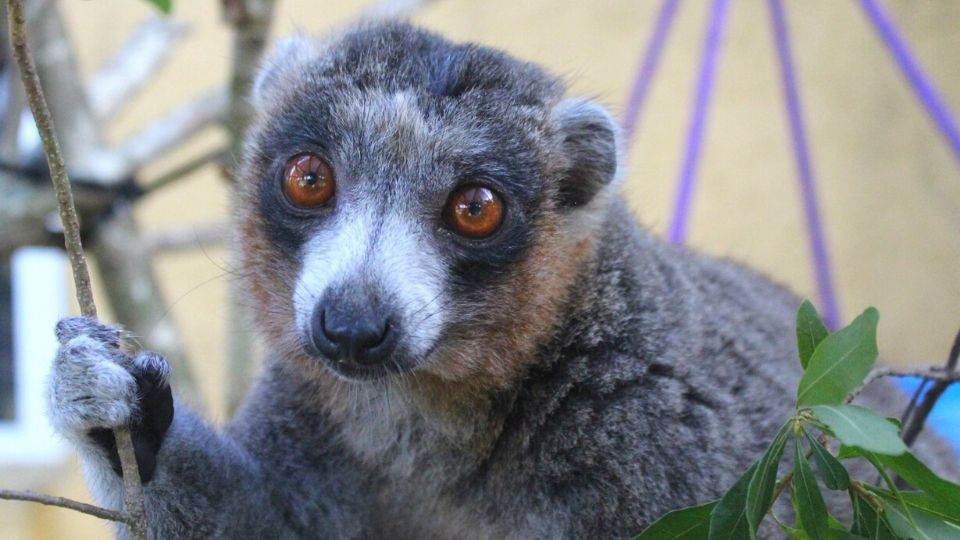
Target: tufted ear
{"type": "Point", "coordinates": [287, 55]}
{"type": "Point", "coordinates": [590, 142]}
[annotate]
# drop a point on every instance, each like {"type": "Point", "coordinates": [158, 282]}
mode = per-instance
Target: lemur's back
{"type": "Point", "coordinates": [470, 336]}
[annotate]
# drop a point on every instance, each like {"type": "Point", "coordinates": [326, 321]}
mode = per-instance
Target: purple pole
{"type": "Point", "coordinates": [711, 46]}
{"type": "Point", "coordinates": [801, 152]}
{"type": "Point", "coordinates": [922, 87]}
{"type": "Point", "coordinates": [647, 67]}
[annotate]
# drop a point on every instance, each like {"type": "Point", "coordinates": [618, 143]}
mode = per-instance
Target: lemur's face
{"type": "Point", "coordinates": [409, 204]}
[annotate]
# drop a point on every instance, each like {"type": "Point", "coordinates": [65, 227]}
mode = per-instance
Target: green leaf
{"type": "Point", "coordinates": [867, 522]}
{"type": "Point", "coordinates": [917, 524]}
{"type": "Point", "coordinates": [833, 473]}
{"type": "Point", "coordinates": [728, 521]}
{"type": "Point", "coordinates": [810, 331]}
{"type": "Point", "coordinates": [165, 6]}
{"type": "Point", "coordinates": [760, 489]}
{"type": "Point", "coordinates": [932, 505]}
{"type": "Point", "coordinates": [862, 428]}
{"type": "Point", "coordinates": [918, 475]}
{"type": "Point", "coordinates": [691, 523]}
{"type": "Point", "coordinates": [794, 534]}
{"type": "Point", "coordinates": [812, 511]}
{"type": "Point", "coordinates": [841, 362]}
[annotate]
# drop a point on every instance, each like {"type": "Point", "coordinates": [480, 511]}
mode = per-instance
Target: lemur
{"type": "Point", "coordinates": [469, 334]}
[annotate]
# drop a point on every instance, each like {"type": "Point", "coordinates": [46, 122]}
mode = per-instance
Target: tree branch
{"type": "Point", "coordinates": [143, 53]}
{"type": "Point", "coordinates": [944, 377]}
{"type": "Point", "coordinates": [186, 238]}
{"type": "Point", "coordinates": [173, 129]}
{"type": "Point", "coordinates": [133, 491]}
{"type": "Point", "coordinates": [919, 417]}
{"type": "Point", "coordinates": [51, 148]}
{"type": "Point", "coordinates": [251, 21]}
{"type": "Point", "coordinates": [185, 169]}
{"type": "Point", "coordinates": [62, 502]}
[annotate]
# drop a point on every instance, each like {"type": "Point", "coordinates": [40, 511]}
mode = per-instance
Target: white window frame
{"type": "Point", "coordinates": [28, 445]}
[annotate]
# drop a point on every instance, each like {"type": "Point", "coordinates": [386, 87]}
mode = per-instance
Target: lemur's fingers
{"type": "Point", "coordinates": [156, 414]}
{"type": "Point", "coordinates": [95, 387]}
{"type": "Point", "coordinates": [91, 384]}
{"type": "Point", "coordinates": [156, 400]}
{"type": "Point", "coordinates": [71, 327]}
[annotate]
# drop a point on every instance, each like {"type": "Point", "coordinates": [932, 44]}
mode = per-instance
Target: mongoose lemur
{"type": "Point", "coordinates": [469, 335]}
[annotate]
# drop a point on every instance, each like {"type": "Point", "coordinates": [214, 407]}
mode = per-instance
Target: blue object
{"type": "Point", "coordinates": [945, 416]}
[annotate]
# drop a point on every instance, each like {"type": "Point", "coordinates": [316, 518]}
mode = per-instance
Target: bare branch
{"type": "Point", "coordinates": [186, 238]}
{"type": "Point", "coordinates": [133, 490]}
{"type": "Point", "coordinates": [28, 208]}
{"type": "Point", "coordinates": [946, 377]}
{"type": "Point", "coordinates": [62, 502]}
{"type": "Point", "coordinates": [56, 66]}
{"type": "Point", "coordinates": [185, 169]}
{"type": "Point", "coordinates": [173, 129]}
{"type": "Point", "coordinates": [251, 22]}
{"type": "Point", "coordinates": [129, 70]}
{"type": "Point", "coordinates": [51, 147]}
{"type": "Point", "coordinates": [919, 417]}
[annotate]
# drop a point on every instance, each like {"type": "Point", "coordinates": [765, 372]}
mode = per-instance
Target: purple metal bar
{"type": "Point", "coordinates": [811, 210]}
{"type": "Point", "coordinates": [925, 91]}
{"type": "Point", "coordinates": [646, 69]}
{"type": "Point", "coordinates": [711, 47]}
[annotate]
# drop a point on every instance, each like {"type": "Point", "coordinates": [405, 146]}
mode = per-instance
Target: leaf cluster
{"type": "Point", "coordinates": [921, 505]}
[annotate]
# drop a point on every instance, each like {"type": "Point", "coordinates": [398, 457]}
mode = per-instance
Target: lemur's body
{"type": "Point", "coordinates": [567, 375]}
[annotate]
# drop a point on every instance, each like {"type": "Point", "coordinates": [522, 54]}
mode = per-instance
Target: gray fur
{"type": "Point", "coordinates": [590, 376]}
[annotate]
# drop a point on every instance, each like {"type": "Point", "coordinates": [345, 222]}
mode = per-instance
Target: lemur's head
{"type": "Point", "coordinates": [411, 204]}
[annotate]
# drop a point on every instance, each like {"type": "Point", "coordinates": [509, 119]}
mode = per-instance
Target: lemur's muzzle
{"type": "Point", "coordinates": [361, 335]}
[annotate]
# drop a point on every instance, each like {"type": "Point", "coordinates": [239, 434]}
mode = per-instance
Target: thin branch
{"type": "Point", "coordinates": [184, 170]}
{"type": "Point", "coordinates": [186, 238]}
{"type": "Point", "coordinates": [62, 502]}
{"type": "Point", "coordinates": [51, 148]}
{"type": "Point", "coordinates": [912, 429]}
{"type": "Point", "coordinates": [133, 490]}
{"type": "Point", "coordinates": [251, 20]}
{"type": "Point", "coordinates": [173, 129]}
{"type": "Point", "coordinates": [138, 60]}
{"type": "Point", "coordinates": [942, 376]}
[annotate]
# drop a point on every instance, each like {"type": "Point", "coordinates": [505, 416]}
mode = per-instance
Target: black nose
{"type": "Point", "coordinates": [356, 335]}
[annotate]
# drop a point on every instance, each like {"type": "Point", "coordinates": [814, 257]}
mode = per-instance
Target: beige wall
{"type": "Point", "coordinates": [889, 187]}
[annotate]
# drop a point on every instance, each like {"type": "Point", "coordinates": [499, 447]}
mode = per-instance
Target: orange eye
{"type": "Point", "coordinates": [308, 180]}
{"type": "Point", "coordinates": [474, 211]}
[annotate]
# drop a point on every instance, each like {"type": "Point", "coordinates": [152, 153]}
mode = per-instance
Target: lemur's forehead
{"type": "Point", "coordinates": [404, 138]}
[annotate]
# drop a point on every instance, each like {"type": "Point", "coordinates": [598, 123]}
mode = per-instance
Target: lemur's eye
{"type": "Point", "coordinates": [308, 180]}
{"type": "Point", "coordinates": [474, 211]}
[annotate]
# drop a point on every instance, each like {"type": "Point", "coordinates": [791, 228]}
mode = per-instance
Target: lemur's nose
{"type": "Point", "coordinates": [361, 336]}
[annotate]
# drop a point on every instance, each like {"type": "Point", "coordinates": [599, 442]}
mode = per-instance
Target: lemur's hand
{"type": "Point", "coordinates": [95, 387]}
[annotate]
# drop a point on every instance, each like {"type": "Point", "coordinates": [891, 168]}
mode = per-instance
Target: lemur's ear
{"type": "Point", "coordinates": [590, 142]}
{"type": "Point", "coordinates": [288, 54]}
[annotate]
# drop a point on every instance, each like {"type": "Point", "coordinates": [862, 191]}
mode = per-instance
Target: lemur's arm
{"type": "Point", "coordinates": [199, 483]}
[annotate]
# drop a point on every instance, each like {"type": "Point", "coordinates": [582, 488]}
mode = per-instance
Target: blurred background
{"type": "Point", "coordinates": [886, 180]}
